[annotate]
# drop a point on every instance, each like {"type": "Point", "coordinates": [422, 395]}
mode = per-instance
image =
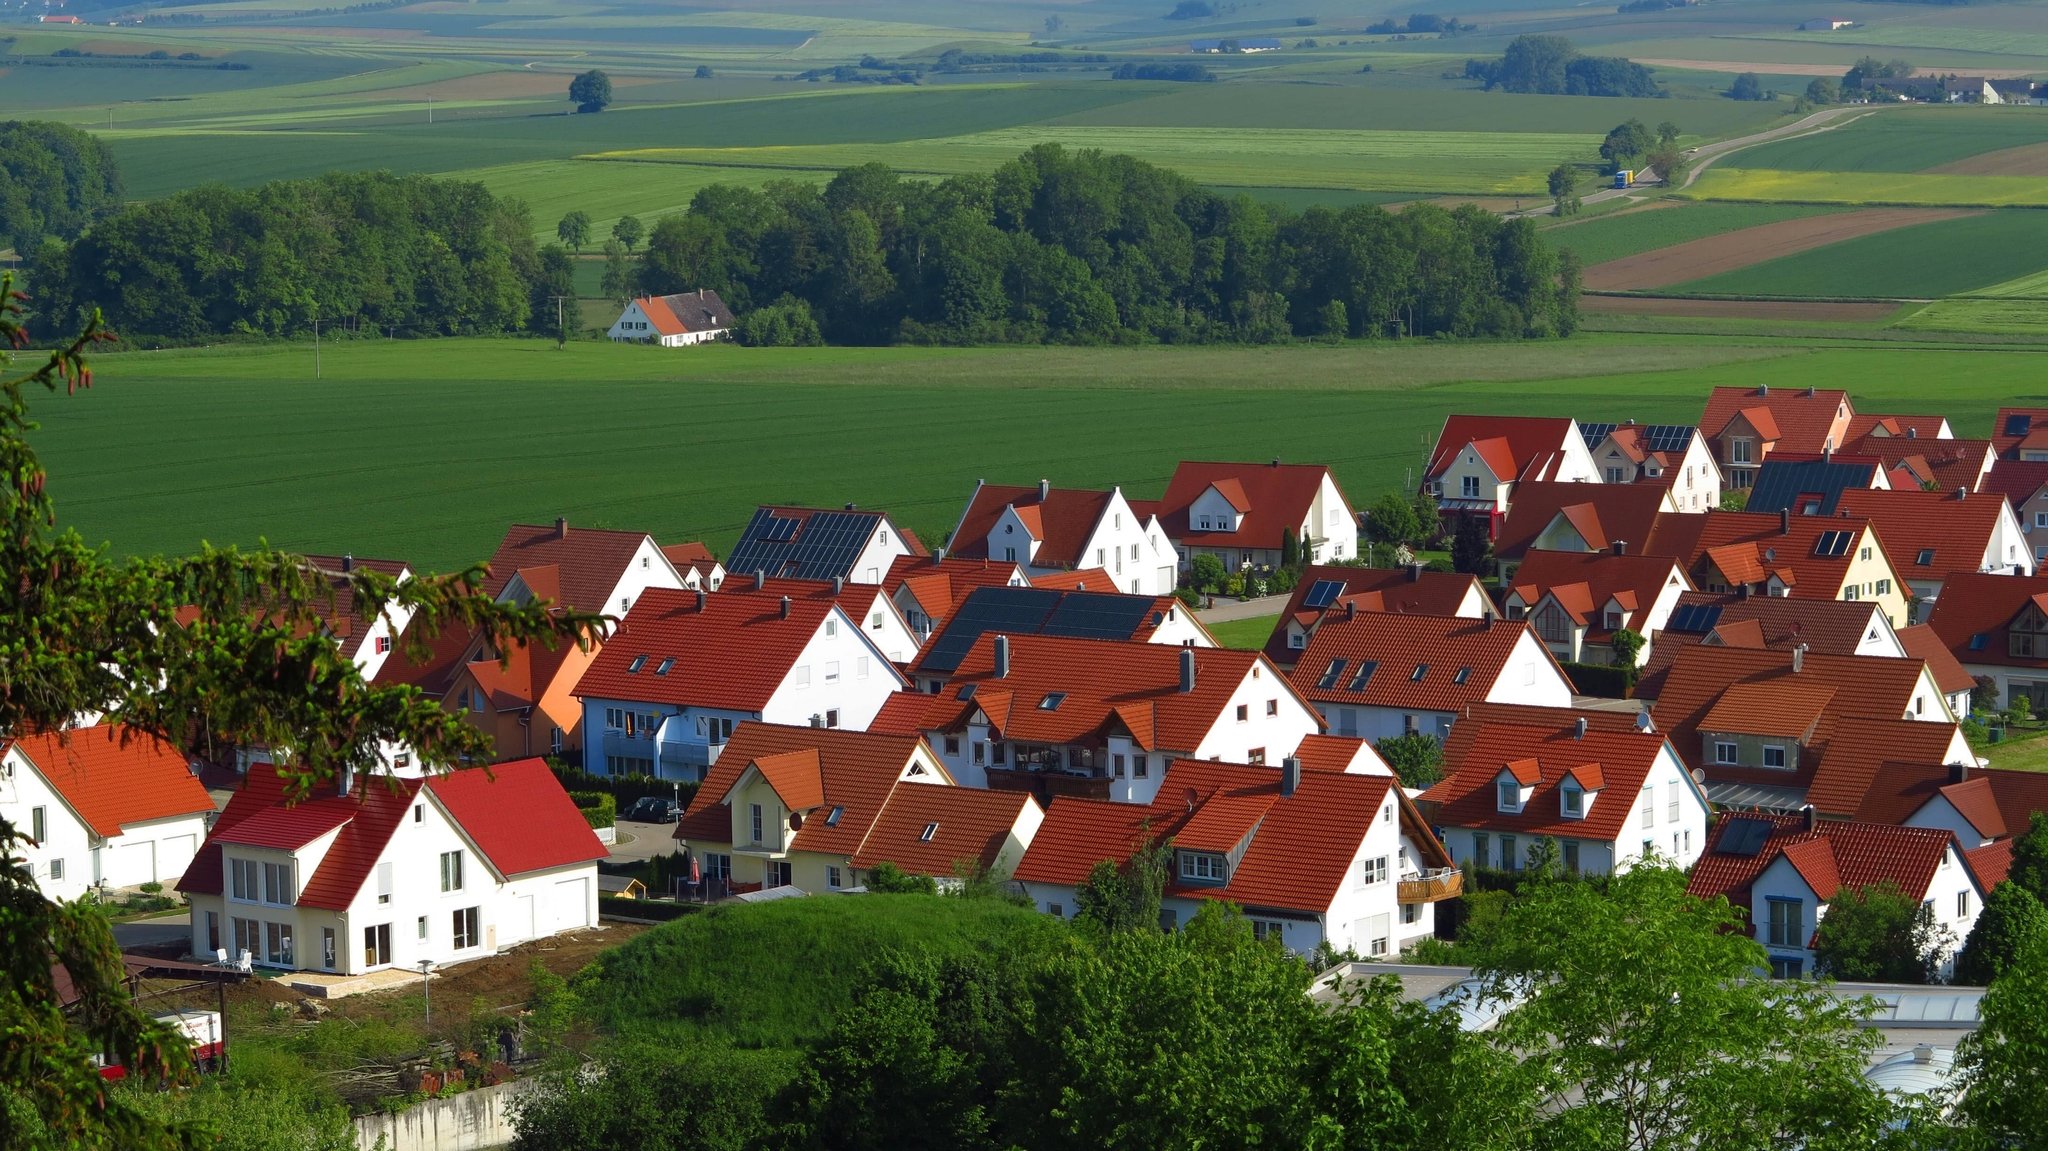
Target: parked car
{"type": "Point", "coordinates": [650, 809]}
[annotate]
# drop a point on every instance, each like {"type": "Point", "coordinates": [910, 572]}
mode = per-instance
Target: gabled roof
{"type": "Point", "coordinates": [1301, 845]}
{"type": "Point", "coordinates": [1619, 512]}
{"type": "Point", "coordinates": [518, 815]}
{"type": "Point", "coordinates": [1080, 579]}
{"type": "Point", "coordinates": [1065, 518]}
{"type": "Point", "coordinates": [1789, 481]}
{"type": "Point", "coordinates": [344, 618]}
{"type": "Point", "coordinates": [1340, 753]}
{"type": "Point", "coordinates": [729, 651]}
{"type": "Point", "coordinates": [684, 312]}
{"type": "Point", "coordinates": [1524, 447]}
{"type": "Point", "coordinates": [1751, 547]}
{"type": "Point", "coordinates": [1856, 752]}
{"type": "Point", "coordinates": [1831, 857]}
{"type": "Point", "coordinates": [938, 583]}
{"type": "Point", "coordinates": [2013, 426]}
{"type": "Point", "coordinates": [1875, 426]}
{"type": "Point", "coordinates": [1478, 749]}
{"type": "Point", "coordinates": [1101, 685]}
{"type": "Point", "coordinates": [1586, 582]}
{"type": "Point", "coordinates": [1825, 626]}
{"type": "Point", "coordinates": [588, 562]}
{"type": "Point", "coordinates": [289, 828]}
{"type": "Point", "coordinates": [1974, 610]}
{"type": "Point", "coordinates": [857, 600]}
{"type": "Point", "coordinates": [1991, 863]}
{"type": "Point", "coordinates": [796, 776]}
{"type": "Point", "coordinates": [1923, 643]}
{"type": "Point", "coordinates": [808, 543]}
{"type": "Point", "coordinates": [1950, 533]}
{"type": "Point", "coordinates": [1017, 611]}
{"type": "Point", "coordinates": [855, 773]}
{"type": "Point", "coordinates": [2017, 480]}
{"type": "Point", "coordinates": [1949, 464]}
{"type": "Point", "coordinates": [1413, 590]}
{"type": "Point", "coordinates": [1419, 662]}
{"type": "Point", "coordinates": [1798, 420]}
{"type": "Point", "coordinates": [1900, 788]}
{"type": "Point", "coordinates": [114, 776]}
{"type": "Point", "coordinates": [1277, 497]}
{"type": "Point", "coordinates": [967, 825]}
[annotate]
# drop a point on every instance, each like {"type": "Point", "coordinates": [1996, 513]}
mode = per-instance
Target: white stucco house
{"type": "Point", "coordinates": [1045, 529]}
{"type": "Point", "coordinates": [1478, 462]}
{"type": "Point", "coordinates": [675, 321]}
{"type": "Point", "coordinates": [99, 814]}
{"type": "Point", "coordinates": [1382, 674]}
{"type": "Point", "coordinates": [381, 874]}
{"type": "Point", "coordinates": [684, 668]}
{"type": "Point", "coordinates": [1244, 514]}
{"type": "Point", "coordinates": [1577, 601]}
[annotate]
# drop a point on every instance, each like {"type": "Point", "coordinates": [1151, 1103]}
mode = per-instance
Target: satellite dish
{"type": "Point", "coordinates": [796, 821]}
{"type": "Point", "coordinates": [1192, 797]}
{"type": "Point", "coordinates": [1699, 775]}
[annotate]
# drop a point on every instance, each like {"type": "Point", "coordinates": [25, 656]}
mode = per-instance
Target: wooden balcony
{"type": "Point", "coordinates": [1432, 886]}
{"type": "Point", "coordinates": [1048, 784]}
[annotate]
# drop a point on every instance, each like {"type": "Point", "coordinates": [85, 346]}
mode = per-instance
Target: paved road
{"type": "Point", "coordinates": [1227, 610]}
{"type": "Point", "coordinates": [150, 934]}
{"type": "Point", "coordinates": [642, 841]}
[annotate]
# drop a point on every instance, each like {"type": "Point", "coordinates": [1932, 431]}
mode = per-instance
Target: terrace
{"type": "Point", "coordinates": [1433, 885]}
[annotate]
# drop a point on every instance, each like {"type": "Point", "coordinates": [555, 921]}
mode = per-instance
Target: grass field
{"type": "Point", "coordinates": [2034, 284]}
{"type": "Point", "coordinates": [2005, 317]}
{"type": "Point", "coordinates": [1907, 189]}
{"type": "Point", "coordinates": [1244, 634]}
{"type": "Point", "coordinates": [425, 450]}
{"type": "Point", "coordinates": [1924, 261]}
{"type": "Point", "coordinates": [1645, 230]}
{"type": "Point", "coordinates": [1903, 140]}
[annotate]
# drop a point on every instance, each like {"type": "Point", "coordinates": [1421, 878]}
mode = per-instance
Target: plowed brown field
{"type": "Point", "coordinates": [2025, 160]}
{"type": "Point", "coordinates": [1697, 259]}
{"type": "Point", "coordinates": [1814, 311]}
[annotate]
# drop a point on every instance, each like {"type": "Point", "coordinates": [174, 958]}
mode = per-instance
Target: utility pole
{"type": "Point", "coordinates": [430, 109]}
{"type": "Point", "coordinates": [316, 339]}
{"type": "Point", "coordinates": [561, 332]}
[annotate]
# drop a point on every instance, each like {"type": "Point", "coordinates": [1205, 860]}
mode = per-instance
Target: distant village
{"type": "Point", "coordinates": [1777, 698]}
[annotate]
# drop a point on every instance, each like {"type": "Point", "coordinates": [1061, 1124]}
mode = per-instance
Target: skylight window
{"type": "Point", "coordinates": [1977, 642]}
{"type": "Point", "coordinates": [664, 666]}
{"type": "Point", "coordinates": [639, 661]}
{"type": "Point", "coordinates": [1052, 701]}
{"type": "Point", "coordinates": [1363, 675]}
{"type": "Point", "coordinates": [966, 691]}
{"type": "Point", "coordinates": [1926, 557]}
{"type": "Point", "coordinates": [930, 829]}
{"type": "Point", "coordinates": [1464, 673]}
{"type": "Point", "coordinates": [1421, 669]}
{"type": "Point", "coordinates": [832, 817]}
{"type": "Point", "coordinates": [1332, 674]}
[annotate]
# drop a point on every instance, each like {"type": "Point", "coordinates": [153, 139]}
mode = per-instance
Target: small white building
{"type": "Point", "coordinates": [1047, 529]}
{"type": "Point", "coordinates": [387, 874]}
{"type": "Point", "coordinates": [99, 814]}
{"type": "Point", "coordinates": [1245, 513]}
{"type": "Point", "coordinates": [1382, 674]}
{"type": "Point", "coordinates": [1478, 462]}
{"type": "Point", "coordinates": [684, 668]}
{"type": "Point", "coordinates": [676, 321]}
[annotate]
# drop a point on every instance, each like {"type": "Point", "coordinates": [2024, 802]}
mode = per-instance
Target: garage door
{"type": "Point", "coordinates": [134, 863]}
{"type": "Point", "coordinates": [173, 854]}
{"type": "Point", "coordinates": [570, 905]}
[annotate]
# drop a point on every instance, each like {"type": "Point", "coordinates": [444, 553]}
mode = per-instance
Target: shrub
{"type": "Point", "coordinates": [598, 807]}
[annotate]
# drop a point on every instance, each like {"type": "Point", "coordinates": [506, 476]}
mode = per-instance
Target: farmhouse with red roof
{"type": "Point", "coordinates": [675, 321]}
{"type": "Point", "coordinates": [1311, 857]}
{"type": "Point", "coordinates": [1479, 462]}
{"type": "Point", "coordinates": [102, 807]}
{"type": "Point", "coordinates": [385, 872]}
{"type": "Point", "coordinates": [1047, 529]}
{"type": "Point", "coordinates": [1244, 514]}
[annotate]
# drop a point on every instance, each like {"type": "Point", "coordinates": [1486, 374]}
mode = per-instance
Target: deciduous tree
{"type": "Point", "coordinates": [2004, 1095]}
{"type": "Point", "coordinates": [2009, 918]}
{"type": "Point", "coordinates": [1416, 758]}
{"type": "Point", "coordinates": [629, 231]}
{"type": "Point", "coordinates": [574, 229]}
{"type": "Point", "coordinates": [1564, 189]}
{"type": "Point", "coordinates": [1879, 934]}
{"type": "Point", "coordinates": [590, 91]}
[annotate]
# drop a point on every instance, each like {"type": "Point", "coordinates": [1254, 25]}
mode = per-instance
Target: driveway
{"type": "Point", "coordinates": [638, 841]}
{"type": "Point", "coordinates": [156, 935]}
{"type": "Point", "coordinates": [1227, 610]}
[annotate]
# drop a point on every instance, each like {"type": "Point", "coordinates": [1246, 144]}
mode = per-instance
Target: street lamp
{"type": "Point", "coordinates": [426, 986]}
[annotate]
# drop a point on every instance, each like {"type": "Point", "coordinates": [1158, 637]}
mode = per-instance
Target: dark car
{"type": "Point", "coordinates": [650, 809]}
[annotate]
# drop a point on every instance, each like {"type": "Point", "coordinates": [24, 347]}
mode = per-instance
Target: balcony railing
{"type": "Point", "coordinates": [1431, 886]}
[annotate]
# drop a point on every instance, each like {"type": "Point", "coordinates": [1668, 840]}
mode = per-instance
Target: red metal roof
{"type": "Point", "coordinates": [731, 653]}
{"type": "Point", "coordinates": [968, 825]}
{"type": "Point", "coordinates": [1420, 659]}
{"type": "Point", "coordinates": [1066, 517]}
{"type": "Point", "coordinates": [1479, 749]}
{"type": "Point", "coordinates": [1276, 498]}
{"type": "Point", "coordinates": [518, 815]}
{"type": "Point", "coordinates": [111, 776]}
{"type": "Point", "coordinates": [1975, 604]}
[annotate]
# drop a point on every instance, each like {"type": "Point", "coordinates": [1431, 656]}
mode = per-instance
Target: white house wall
{"type": "Point", "coordinates": [155, 851]}
{"type": "Point", "coordinates": [840, 669]}
{"type": "Point", "coordinates": [1677, 837]}
{"type": "Point", "coordinates": [1276, 735]}
{"type": "Point", "coordinates": [1696, 484]}
{"type": "Point", "coordinates": [881, 550]}
{"type": "Point", "coordinates": [1180, 630]}
{"type": "Point", "coordinates": [648, 568]}
{"type": "Point", "coordinates": [1939, 814]}
{"type": "Point", "coordinates": [1954, 892]}
{"type": "Point", "coordinates": [1331, 524]}
{"type": "Point", "coordinates": [1530, 677]}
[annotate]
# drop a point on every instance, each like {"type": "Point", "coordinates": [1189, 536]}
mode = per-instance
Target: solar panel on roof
{"type": "Point", "coordinates": [1594, 433]}
{"type": "Point", "coordinates": [2018, 425]}
{"type": "Point", "coordinates": [1833, 544]}
{"type": "Point", "coordinates": [1743, 836]}
{"type": "Point", "coordinates": [1323, 593]}
{"type": "Point", "coordinates": [1097, 615]}
{"type": "Point", "coordinates": [1669, 437]}
{"type": "Point", "coordinates": [1009, 610]}
{"type": "Point", "coordinates": [1695, 617]}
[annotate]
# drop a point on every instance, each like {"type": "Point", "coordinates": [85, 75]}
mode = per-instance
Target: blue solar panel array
{"type": "Point", "coordinates": [1695, 617]}
{"type": "Point", "coordinates": [1832, 544]}
{"type": "Point", "coordinates": [1656, 437]}
{"type": "Point", "coordinates": [2018, 425]}
{"type": "Point", "coordinates": [1323, 593]}
{"type": "Point", "coordinates": [1743, 836]}
{"type": "Point", "coordinates": [824, 545]}
{"type": "Point", "coordinates": [1035, 611]}
{"type": "Point", "coordinates": [1594, 433]}
{"type": "Point", "coordinates": [1805, 487]}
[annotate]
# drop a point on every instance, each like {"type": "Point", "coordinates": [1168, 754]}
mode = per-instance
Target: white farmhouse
{"type": "Point", "coordinates": [673, 321]}
{"type": "Point", "coordinates": [102, 807]}
{"type": "Point", "coordinates": [1479, 461]}
{"type": "Point", "coordinates": [393, 873]}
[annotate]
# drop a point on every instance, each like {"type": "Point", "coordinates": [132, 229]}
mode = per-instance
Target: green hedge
{"type": "Point", "coordinates": [1602, 679]}
{"type": "Point", "coordinates": [599, 809]}
{"type": "Point", "coordinates": [623, 789]}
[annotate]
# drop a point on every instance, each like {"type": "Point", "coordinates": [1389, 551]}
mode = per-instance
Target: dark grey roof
{"type": "Point", "coordinates": [1780, 486]}
{"type": "Point", "coordinates": [1035, 611]}
{"type": "Point", "coordinates": [803, 543]}
{"type": "Point", "coordinates": [700, 311]}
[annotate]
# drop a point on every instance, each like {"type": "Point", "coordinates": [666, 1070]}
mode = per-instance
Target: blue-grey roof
{"type": "Point", "coordinates": [1035, 611]}
{"type": "Point", "coordinates": [801, 543]}
{"type": "Point", "coordinates": [1784, 486]}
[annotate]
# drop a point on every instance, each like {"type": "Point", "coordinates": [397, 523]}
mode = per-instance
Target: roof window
{"type": "Point", "coordinates": [1331, 674]}
{"type": "Point", "coordinates": [1421, 669]}
{"type": "Point", "coordinates": [1464, 673]}
{"type": "Point", "coordinates": [665, 666]}
{"type": "Point", "coordinates": [1926, 557]}
{"type": "Point", "coordinates": [1363, 675]}
{"type": "Point", "coordinates": [832, 817]}
{"type": "Point", "coordinates": [930, 829]}
{"type": "Point", "coordinates": [639, 661]}
{"type": "Point", "coordinates": [1052, 701]}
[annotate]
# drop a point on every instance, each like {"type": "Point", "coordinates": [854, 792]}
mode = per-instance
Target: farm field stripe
{"type": "Point", "coordinates": [1802, 310]}
{"type": "Point", "coordinates": [1900, 189]}
{"type": "Point", "coordinates": [1698, 259]}
{"type": "Point", "coordinates": [2024, 160]}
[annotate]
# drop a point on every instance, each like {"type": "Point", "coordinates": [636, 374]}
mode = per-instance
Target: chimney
{"type": "Point", "coordinates": [938, 555]}
{"type": "Point", "coordinates": [760, 579]}
{"type": "Point", "coordinates": [1912, 433]}
{"type": "Point", "coordinates": [1276, 461]}
{"type": "Point", "coordinates": [1827, 452]}
{"type": "Point", "coordinates": [561, 527]}
{"type": "Point", "coordinates": [1579, 728]}
{"type": "Point", "coordinates": [1809, 393]}
{"type": "Point", "coordinates": [1486, 622]}
{"type": "Point", "coordinates": [1812, 817]}
{"type": "Point", "coordinates": [1763, 389]}
{"type": "Point", "coordinates": [1958, 772]}
{"type": "Point", "coordinates": [1415, 573]}
{"type": "Point", "coordinates": [785, 607]}
{"type": "Point", "coordinates": [345, 780]}
{"type": "Point", "coordinates": [1044, 490]}
{"type": "Point", "coordinates": [1798, 658]}
{"type": "Point", "coordinates": [817, 720]}
{"type": "Point", "coordinates": [1784, 521]}
{"type": "Point", "coordinates": [852, 507]}
{"type": "Point", "coordinates": [1620, 547]}
{"type": "Point", "coordinates": [700, 600]}
{"type": "Point", "coordinates": [1350, 609]}
{"type": "Point", "coordinates": [838, 585]}
{"type": "Point", "coordinates": [1002, 652]}
{"type": "Point", "coordinates": [1187, 670]}
{"type": "Point", "coordinates": [348, 564]}
{"type": "Point", "coordinates": [1290, 775]}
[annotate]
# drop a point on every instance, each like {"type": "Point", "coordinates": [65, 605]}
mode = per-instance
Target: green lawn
{"type": "Point", "coordinates": [1644, 230]}
{"type": "Point", "coordinates": [1247, 634]}
{"type": "Point", "coordinates": [1924, 261]}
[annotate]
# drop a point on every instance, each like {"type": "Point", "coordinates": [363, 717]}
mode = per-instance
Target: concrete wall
{"type": "Point", "coordinates": [471, 1121]}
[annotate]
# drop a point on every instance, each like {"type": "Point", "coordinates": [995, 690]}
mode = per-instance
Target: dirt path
{"type": "Point", "coordinates": [1697, 259]}
{"type": "Point", "coordinates": [1739, 309]}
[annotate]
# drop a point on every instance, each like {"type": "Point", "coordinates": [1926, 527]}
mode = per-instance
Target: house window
{"type": "Point", "coordinates": [1201, 865]}
{"type": "Point", "coordinates": [1787, 967]}
{"type": "Point", "coordinates": [754, 818]}
{"type": "Point", "coordinates": [377, 945]}
{"type": "Point", "coordinates": [832, 717]}
{"type": "Point", "coordinates": [1056, 910]}
{"type": "Point", "coordinates": [1372, 871]}
{"type": "Point", "coordinates": [1376, 936]}
{"type": "Point", "coordinates": [1256, 757]}
{"type": "Point", "coordinates": [277, 944]}
{"type": "Point", "coordinates": [718, 867]}
{"type": "Point", "coordinates": [1884, 587]}
{"type": "Point", "coordinates": [1481, 849]}
{"type": "Point", "coordinates": [1724, 751]}
{"type": "Point", "coordinates": [777, 874]}
{"type": "Point", "coordinates": [1411, 913]}
{"type": "Point", "coordinates": [57, 870]}
{"type": "Point", "coordinates": [1264, 929]}
{"type": "Point", "coordinates": [639, 661]}
{"type": "Point", "coordinates": [980, 752]}
{"type": "Point", "coordinates": [1671, 802]}
{"type": "Point", "coordinates": [277, 884]}
{"type": "Point", "coordinates": [831, 628]}
{"type": "Point", "coordinates": [451, 871]}
{"type": "Point", "coordinates": [614, 718]}
{"type": "Point", "coordinates": [832, 672]}
{"type": "Point", "coordinates": [1243, 713]}
{"type": "Point", "coordinates": [1649, 805]}
{"type": "Point", "coordinates": [1272, 707]}
{"type": "Point", "coordinates": [952, 745]}
{"type": "Point", "coordinates": [1864, 555]}
{"type": "Point", "coordinates": [1140, 767]}
{"type": "Point", "coordinates": [1739, 451]}
{"type": "Point", "coordinates": [1508, 795]}
{"type": "Point", "coordinates": [1613, 475]}
{"type": "Point", "coordinates": [383, 644]}
{"type": "Point", "coordinates": [247, 879]}
{"type": "Point", "coordinates": [464, 928]}
{"type": "Point", "coordinates": [1962, 904]}
{"type": "Point", "coordinates": [1116, 765]}
{"type": "Point", "coordinates": [1570, 848]}
{"type": "Point", "coordinates": [327, 955]}
{"type": "Point", "coordinates": [248, 936]}
{"type": "Point", "coordinates": [422, 927]}
{"type": "Point", "coordinates": [1786, 915]}
{"type": "Point", "coordinates": [1509, 861]}
{"type": "Point", "coordinates": [1574, 802]}
{"type": "Point", "coordinates": [1774, 755]}
{"type": "Point", "coordinates": [1469, 487]}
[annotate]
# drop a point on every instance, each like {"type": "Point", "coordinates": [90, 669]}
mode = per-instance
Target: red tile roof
{"type": "Point", "coordinates": [1444, 649]}
{"type": "Point", "coordinates": [1065, 518]}
{"type": "Point", "coordinates": [1802, 420]}
{"type": "Point", "coordinates": [2017, 480]}
{"type": "Point", "coordinates": [114, 776]}
{"type": "Point", "coordinates": [518, 815]}
{"type": "Point", "coordinates": [1749, 546]}
{"type": "Point", "coordinates": [1625, 512]}
{"type": "Point", "coordinates": [856, 771]}
{"type": "Point", "coordinates": [1585, 582]}
{"type": "Point", "coordinates": [900, 714]}
{"type": "Point", "coordinates": [968, 825]}
{"type": "Point", "coordinates": [1833, 856]}
{"type": "Point", "coordinates": [1279, 497]}
{"type": "Point", "coordinates": [1955, 534]}
{"type": "Point", "coordinates": [1102, 683]}
{"type": "Point", "coordinates": [1991, 863]}
{"type": "Point", "coordinates": [685, 312]}
{"type": "Point", "coordinates": [1084, 579]}
{"type": "Point", "coordinates": [380, 805]}
{"type": "Point", "coordinates": [2013, 426]}
{"type": "Point", "coordinates": [1787, 709]}
{"type": "Point", "coordinates": [1339, 753]}
{"type": "Point", "coordinates": [1919, 428]}
{"type": "Point", "coordinates": [289, 828]}
{"type": "Point", "coordinates": [1410, 591]}
{"type": "Point", "coordinates": [1856, 750]}
{"type": "Point", "coordinates": [1479, 749]}
{"type": "Point", "coordinates": [1301, 847]}
{"type": "Point", "coordinates": [347, 621]}
{"type": "Point", "coordinates": [1524, 448]}
{"type": "Point", "coordinates": [1825, 626]}
{"type": "Point", "coordinates": [589, 562]}
{"type": "Point", "coordinates": [1949, 464]}
{"type": "Point", "coordinates": [1899, 789]}
{"type": "Point", "coordinates": [796, 776]}
{"type": "Point", "coordinates": [1923, 643]}
{"type": "Point", "coordinates": [1974, 605]}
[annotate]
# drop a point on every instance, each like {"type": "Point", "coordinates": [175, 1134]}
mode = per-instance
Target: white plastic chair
{"type": "Point", "coordinates": [246, 962]}
{"type": "Point", "coordinates": [220, 957]}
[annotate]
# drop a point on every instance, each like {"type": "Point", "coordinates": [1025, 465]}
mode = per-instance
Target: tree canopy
{"type": "Point", "coordinates": [1878, 934]}
{"type": "Point", "coordinates": [2009, 918]}
{"type": "Point", "coordinates": [54, 181]}
{"type": "Point", "coordinates": [590, 91]}
{"type": "Point", "coordinates": [1551, 66]}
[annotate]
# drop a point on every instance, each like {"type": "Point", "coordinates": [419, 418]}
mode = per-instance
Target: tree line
{"type": "Point", "coordinates": [1551, 66]}
{"type": "Point", "coordinates": [1085, 247]}
{"type": "Point", "coordinates": [366, 250]}
{"type": "Point", "coordinates": [54, 181]}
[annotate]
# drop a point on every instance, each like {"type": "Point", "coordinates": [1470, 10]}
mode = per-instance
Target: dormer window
{"type": "Point", "coordinates": [1508, 795]}
{"type": "Point", "coordinates": [1469, 487]}
{"type": "Point", "coordinates": [1202, 866]}
{"type": "Point", "coordinates": [1611, 620]}
{"type": "Point", "coordinates": [1574, 800]}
